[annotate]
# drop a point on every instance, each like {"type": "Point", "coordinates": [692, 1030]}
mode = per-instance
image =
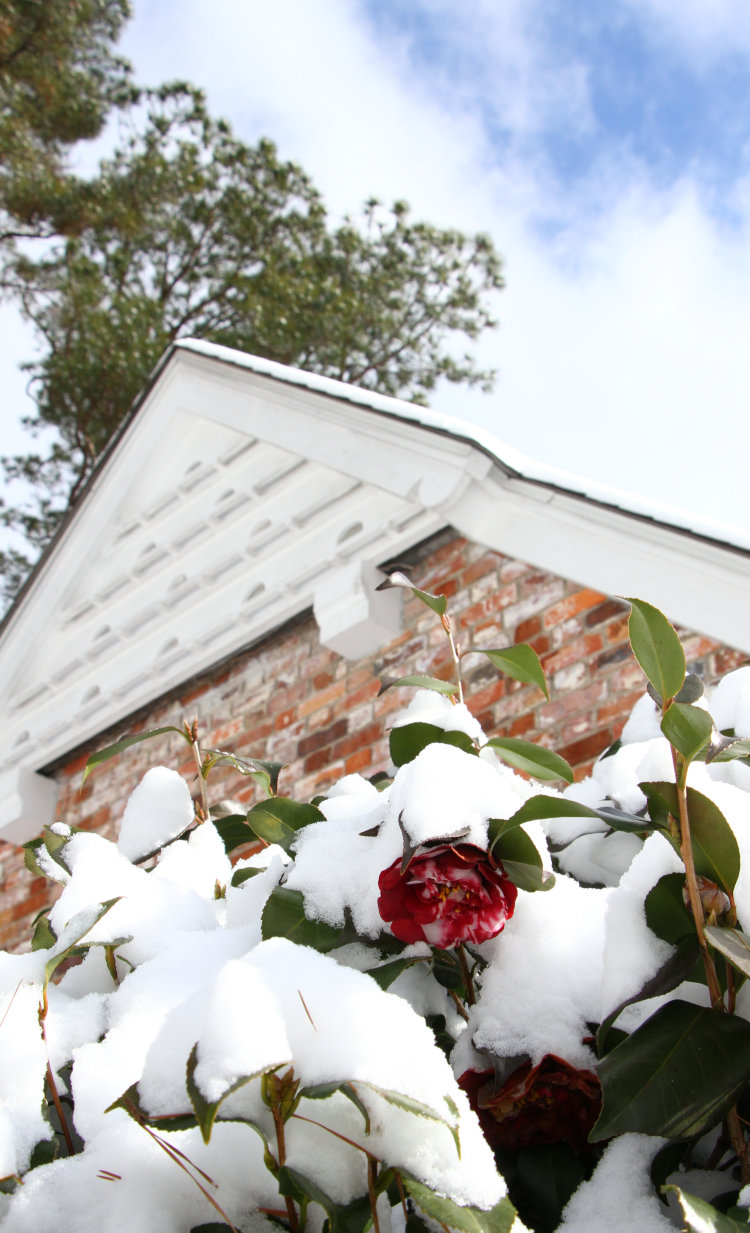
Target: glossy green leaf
{"type": "Point", "coordinates": [438, 603]}
{"type": "Point", "coordinates": [421, 682]}
{"type": "Point", "coordinates": [234, 831]}
{"type": "Point", "coordinates": [657, 648]}
{"type": "Point", "coordinates": [265, 774]}
{"type": "Point", "coordinates": [733, 944]}
{"type": "Point", "coordinates": [244, 875]}
{"type": "Point", "coordinates": [408, 740]}
{"type": "Point", "coordinates": [688, 728]}
{"type": "Point", "coordinates": [388, 972]}
{"type": "Point", "coordinates": [76, 930]}
{"type": "Point", "coordinates": [279, 819]}
{"type": "Point", "coordinates": [533, 759]}
{"type": "Point", "coordinates": [44, 936]}
{"type": "Point", "coordinates": [667, 914]}
{"type": "Point", "coordinates": [206, 1110]}
{"type": "Point", "coordinates": [734, 747]}
{"type": "Point", "coordinates": [703, 1217]}
{"type": "Point", "coordinates": [111, 751]}
{"type": "Point", "coordinates": [350, 1218]}
{"type": "Point", "coordinates": [522, 861]}
{"type": "Point", "coordinates": [284, 917]}
{"type": "Point", "coordinates": [676, 1076]}
{"type": "Point", "coordinates": [322, 1091]}
{"type": "Point", "coordinates": [692, 689]}
{"type": "Point", "coordinates": [499, 1219]}
{"type": "Point", "coordinates": [541, 807]}
{"type": "Point", "coordinates": [715, 850]}
{"type": "Point", "coordinates": [521, 663]}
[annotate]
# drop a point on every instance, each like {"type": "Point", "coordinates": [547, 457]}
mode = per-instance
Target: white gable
{"type": "Point", "coordinates": [242, 493]}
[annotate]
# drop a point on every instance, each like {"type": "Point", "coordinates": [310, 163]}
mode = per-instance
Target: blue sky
{"type": "Point", "coordinates": [604, 146]}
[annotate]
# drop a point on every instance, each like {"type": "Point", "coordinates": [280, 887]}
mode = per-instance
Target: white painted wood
{"type": "Point", "coordinates": [242, 493]}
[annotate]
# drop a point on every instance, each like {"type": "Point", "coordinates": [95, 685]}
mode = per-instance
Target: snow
{"type": "Point", "coordinates": [160, 808]}
{"type": "Point", "coordinates": [429, 707]}
{"type": "Point", "coordinates": [196, 978]}
{"type": "Point", "coordinates": [619, 1197]}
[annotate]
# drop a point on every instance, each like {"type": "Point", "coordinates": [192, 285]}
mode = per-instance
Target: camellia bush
{"type": "Point", "coordinates": [457, 997]}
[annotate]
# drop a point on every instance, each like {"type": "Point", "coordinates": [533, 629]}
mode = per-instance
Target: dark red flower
{"type": "Point", "coordinates": [548, 1103]}
{"type": "Point", "coordinates": [449, 893]}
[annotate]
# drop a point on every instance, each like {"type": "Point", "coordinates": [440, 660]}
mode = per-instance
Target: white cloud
{"type": "Point", "coordinates": [623, 342]}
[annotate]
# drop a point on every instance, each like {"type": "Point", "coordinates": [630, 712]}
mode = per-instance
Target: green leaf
{"type": "Point", "coordinates": [688, 728]}
{"type": "Point", "coordinates": [438, 603]}
{"type": "Point", "coordinates": [533, 759]}
{"type": "Point", "coordinates": [409, 1105]}
{"type": "Point", "coordinates": [284, 917]}
{"type": "Point", "coordinates": [265, 774]}
{"type": "Point", "coordinates": [738, 747]}
{"type": "Point", "coordinates": [388, 972]}
{"type": "Point", "coordinates": [733, 944]}
{"type": "Point", "coordinates": [243, 875]}
{"type": "Point", "coordinates": [499, 1219]}
{"type": "Point", "coordinates": [79, 925]}
{"type": "Point", "coordinates": [541, 807]}
{"type": "Point", "coordinates": [657, 648]}
{"type": "Point", "coordinates": [350, 1218]}
{"type": "Point", "coordinates": [520, 662]}
{"type": "Point", "coordinates": [715, 850]}
{"type": "Point", "coordinates": [408, 740]}
{"type": "Point", "coordinates": [521, 861]}
{"type": "Point", "coordinates": [44, 935]}
{"type": "Point", "coordinates": [111, 751]}
{"type": "Point", "coordinates": [234, 831]}
{"type": "Point", "coordinates": [667, 914]}
{"type": "Point", "coordinates": [703, 1217]}
{"type": "Point", "coordinates": [676, 1076]}
{"type": "Point", "coordinates": [206, 1110]}
{"type": "Point", "coordinates": [692, 689]}
{"type": "Point", "coordinates": [421, 682]}
{"type": "Point", "coordinates": [278, 820]}
{"type": "Point", "coordinates": [321, 1091]}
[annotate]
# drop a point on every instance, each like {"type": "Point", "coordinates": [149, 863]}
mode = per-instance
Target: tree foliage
{"type": "Point", "coordinates": [58, 81]}
{"type": "Point", "coordinates": [189, 231]}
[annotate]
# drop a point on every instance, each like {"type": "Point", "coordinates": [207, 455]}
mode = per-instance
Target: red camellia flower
{"type": "Point", "coordinates": [548, 1103]}
{"type": "Point", "coordinates": [449, 893]}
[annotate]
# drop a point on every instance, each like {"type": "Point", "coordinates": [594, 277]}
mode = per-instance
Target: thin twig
{"type": "Point", "coordinates": [174, 1155]}
{"type": "Point", "coordinates": [686, 852]}
{"type": "Point", "coordinates": [447, 626]}
{"type": "Point", "coordinates": [199, 764]}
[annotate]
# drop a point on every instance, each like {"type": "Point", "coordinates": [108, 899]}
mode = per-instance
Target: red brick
{"type": "Point", "coordinates": [587, 748]}
{"type": "Point", "coordinates": [356, 740]}
{"type": "Point", "coordinates": [479, 569]}
{"type": "Point", "coordinates": [320, 698]}
{"type": "Point", "coordinates": [571, 605]}
{"type": "Point", "coordinates": [358, 761]}
{"type": "Point", "coordinates": [726, 660]}
{"type": "Point", "coordinates": [606, 611]}
{"type": "Point", "coordinates": [573, 652]}
{"type": "Point", "coordinates": [488, 607]}
{"type": "Point", "coordinates": [528, 629]}
{"type": "Point", "coordinates": [326, 736]}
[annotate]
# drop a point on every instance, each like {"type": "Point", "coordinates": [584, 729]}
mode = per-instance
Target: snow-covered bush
{"type": "Point", "coordinates": [416, 998]}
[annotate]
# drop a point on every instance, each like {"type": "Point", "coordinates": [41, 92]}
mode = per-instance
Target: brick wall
{"type": "Point", "coordinates": [291, 700]}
